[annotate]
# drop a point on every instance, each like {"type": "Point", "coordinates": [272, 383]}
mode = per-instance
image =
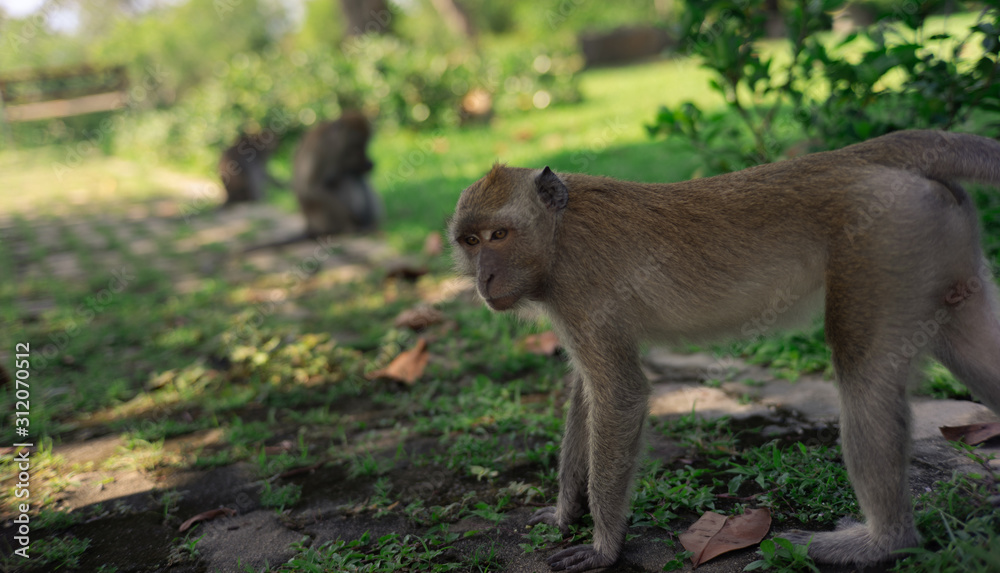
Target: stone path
{"type": "Point", "coordinates": [258, 535]}
{"type": "Point", "coordinates": [185, 221]}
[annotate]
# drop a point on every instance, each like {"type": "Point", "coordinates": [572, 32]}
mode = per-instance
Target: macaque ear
{"type": "Point", "coordinates": [551, 190]}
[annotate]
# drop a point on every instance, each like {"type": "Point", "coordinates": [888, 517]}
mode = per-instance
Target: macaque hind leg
{"type": "Point", "coordinates": [874, 429]}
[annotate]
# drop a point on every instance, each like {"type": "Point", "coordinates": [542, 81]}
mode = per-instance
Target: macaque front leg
{"type": "Point", "coordinates": [574, 460]}
{"type": "Point", "coordinates": [617, 393]}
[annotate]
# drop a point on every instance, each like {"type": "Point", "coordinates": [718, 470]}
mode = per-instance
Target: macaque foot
{"type": "Point", "coordinates": [548, 516]}
{"type": "Point", "coordinates": [580, 558]}
{"type": "Point", "coordinates": [853, 543]}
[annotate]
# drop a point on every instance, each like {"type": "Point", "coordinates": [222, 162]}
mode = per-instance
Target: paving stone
{"type": "Point", "coordinates": [678, 399]}
{"type": "Point", "coordinates": [137, 212]}
{"type": "Point", "coordinates": [674, 366]}
{"type": "Point", "coordinates": [124, 232]}
{"type": "Point", "coordinates": [929, 415]}
{"type": "Point", "coordinates": [94, 450]}
{"type": "Point", "coordinates": [108, 261]}
{"type": "Point", "coordinates": [254, 539]}
{"type": "Point", "coordinates": [50, 238]}
{"type": "Point", "coordinates": [144, 247]}
{"type": "Point", "coordinates": [64, 266]}
{"type": "Point", "coordinates": [90, 487]}
{"type": "Point", "coordinates": [256, 536]}
{"type": "Point", "coordinates": [187, 283]}
{"type": "Point", "coordinates": [90, 237]}
{"type": "Point", "coordinates": [159, 228]}
{"type": "Point", "coordinates": [33, 308]}
{"type": "Point", "coordinates": [812, 397]}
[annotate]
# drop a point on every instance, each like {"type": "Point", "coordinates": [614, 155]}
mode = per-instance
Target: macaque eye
{"type": "Point", "coordinates": [498, 235]}
{"type": "Point", "coordinates": [472, 240]}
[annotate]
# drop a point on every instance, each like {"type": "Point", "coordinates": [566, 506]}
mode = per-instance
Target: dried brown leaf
{"type": "Point", "coordinates": [280, 447]}
{"type": "Point", "coordinates": [545, 343]}
{"type": "Point", "coordinates": [971, 434]}
{"type": "Point", "coordinates": [206, 516]}
{"type": "Point", "coordinates": [714, 534]}
{"type": "Point", "coordinates": [406, 272]}
{"type": "Point", "coordinates": [406, 367]}
{"type": "Point", "coordinates": [303, 470]}
{"type": "Point", "coordinates": [419, 317]}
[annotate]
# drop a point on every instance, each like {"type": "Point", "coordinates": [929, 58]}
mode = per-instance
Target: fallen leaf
{"type": "Point", "coordinates": [406, 367]}
{"type": "Point", "coordinates": [405, 271]}
{"type": "Point", "coordinates": [545, 343]}
{"type": "Point", "coordinates": [206, 516]}
{"type": "Point", "coordinates": [419, 317]}
{"type": "Point", "coordinates": [971, 434]}
{"type": "Point", "coordinates": [8, 450]}
{"type": "Point", "coordinates": [283, 446]}
{"type": "Point", "coordinates": [714, 534]}
{"type": "Point", "coordinates": [447, 290]}
{"type": "Point", "coordinates": [302, 470]}
{"type": "Point", "coordinates": [433, 244]}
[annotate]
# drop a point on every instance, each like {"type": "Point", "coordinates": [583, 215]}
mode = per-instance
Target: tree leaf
{"type": "Point", "coordinates": [406, 367]}
{"type": "Point", "coordinates": [971, 434]}
{"type": "Point", "coordinates": [714, 534]}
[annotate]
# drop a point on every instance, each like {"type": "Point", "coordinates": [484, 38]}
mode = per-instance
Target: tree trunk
{"type": "Point", "coordinates": [367, 16]}
{"type": "Point", "coordinates": [456, 17]}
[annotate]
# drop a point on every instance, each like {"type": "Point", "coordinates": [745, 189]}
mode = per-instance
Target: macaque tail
{"type": "Point", "coordinates": [938, 155]}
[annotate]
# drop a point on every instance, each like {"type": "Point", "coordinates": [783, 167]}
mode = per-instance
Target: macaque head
{"type": "Point", "coordinates": [344, 148]}
{"type": "Point", "coordinates": [504, 230]}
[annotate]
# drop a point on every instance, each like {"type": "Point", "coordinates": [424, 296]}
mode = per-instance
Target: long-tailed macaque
{"type": "Point", "coordinates": [243, 167]}
{"type": "Point", "coordinates": [879, 234]}
{"type": "Point", "coordinates": [330, 177]}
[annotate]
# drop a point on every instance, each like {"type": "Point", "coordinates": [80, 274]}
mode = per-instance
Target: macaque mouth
{"type": "Point", "coordinates": [503, 302]}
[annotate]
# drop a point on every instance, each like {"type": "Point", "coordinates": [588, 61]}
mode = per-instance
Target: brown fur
{"type": "Point", "coordinates": [243, 167]}
{"type": "Point", "coordinates": [880, 233]}
{"type": "Point", "coordinates": [330, 171]}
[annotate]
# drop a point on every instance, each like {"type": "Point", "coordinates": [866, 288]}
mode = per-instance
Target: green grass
{"type": "Point", "coordinates": [959, 523]}
{"type": "Point", "coordinates": [49, 554]}
{"type": "Point", "coordinates": [280, 497]}
{"type": "Point", "coordinates": [157, 365]}
{"type": "Point", "coordinates": [388, 553]}
{"type": "Point", "coordinates": [782, 555]}
{"type": "Point", "coordinates": [420, 175]}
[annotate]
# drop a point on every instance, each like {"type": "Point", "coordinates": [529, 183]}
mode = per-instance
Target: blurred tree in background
{"type": "Point", "coordinates": [200, 70]}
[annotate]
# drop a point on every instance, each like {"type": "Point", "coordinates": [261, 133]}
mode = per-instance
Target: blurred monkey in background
{"type": "Point", "coordinates": [243, 167]}
{"type": "Point", "coordinates": [330, 177]}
